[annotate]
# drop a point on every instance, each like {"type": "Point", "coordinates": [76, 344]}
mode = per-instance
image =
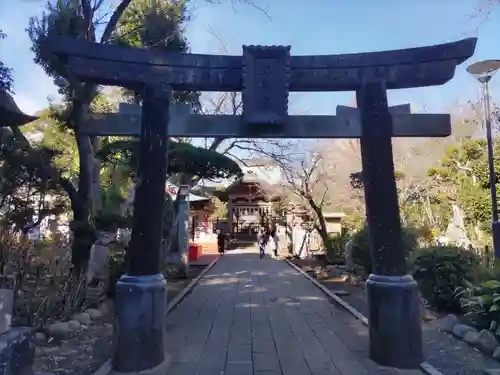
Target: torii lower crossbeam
{"type": "Point", "coordinates": [345, 125]}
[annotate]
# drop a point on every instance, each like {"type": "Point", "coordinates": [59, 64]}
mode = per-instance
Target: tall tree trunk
{"type": "Point", "coordinates": [83, 234]}
{"type": "Point", "coordinates": [95, 191]}
{"type": "Point", "coordinates": [321, 226]}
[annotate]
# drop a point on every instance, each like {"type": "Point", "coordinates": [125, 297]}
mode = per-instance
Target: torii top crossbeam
{"type": "Point", "coordinates": [124, 66]}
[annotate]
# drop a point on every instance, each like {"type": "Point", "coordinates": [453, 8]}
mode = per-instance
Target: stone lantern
{"type": "Point", "coordinates": [10, 114]}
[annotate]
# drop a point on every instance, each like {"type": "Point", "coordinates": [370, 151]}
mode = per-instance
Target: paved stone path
{"type": "Point", "coordinates": [251, 316]}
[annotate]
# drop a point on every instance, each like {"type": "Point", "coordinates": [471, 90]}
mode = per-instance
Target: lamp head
{"type": "Point", "coordinates": [484, 70]}
{"type": "Point", "coordinates": [183, 191]}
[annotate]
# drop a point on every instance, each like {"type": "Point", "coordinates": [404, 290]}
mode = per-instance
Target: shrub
{"type": "Point", "coordinates": [40, 275]}
{"type": "Point", "coordinates": [482, 304]}
{"type": "Point", "coordinates": [116, 266]}
{"type": "Point", "coordinates": [361, 246]}
{"type": "Point", "coordinates": [439, 271]}
{"type": "Point", "coordinates": [335, 249]}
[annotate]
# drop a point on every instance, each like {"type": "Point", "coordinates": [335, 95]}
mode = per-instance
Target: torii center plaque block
{"type": "Point", "coordinates": [265, 85]}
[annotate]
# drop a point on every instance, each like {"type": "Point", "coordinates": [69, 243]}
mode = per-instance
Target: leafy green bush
{"type": "Point", "coordinates": [361, 246]}
{"type": "Point", "coordinates": [335, 248]}
{"type": "Point", "coordinates": [482, 304]}
{"type": "Point", "coordinates": [440, 271]}
{"type": "Point", "coordinates": [109, 217]}
{"type": "Point", "coordinates": [116, 266]}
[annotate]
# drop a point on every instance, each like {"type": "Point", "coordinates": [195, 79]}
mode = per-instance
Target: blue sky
{"type": "Point", "coordinates": [310, 27]}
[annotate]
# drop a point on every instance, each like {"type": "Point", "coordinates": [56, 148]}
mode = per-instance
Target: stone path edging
{"type": "Point", "coordinates": [179, 297]}
{"type": "Point", "coordinates": [424, 366]}
{"type": "Point", "coordinates": [106, 368]}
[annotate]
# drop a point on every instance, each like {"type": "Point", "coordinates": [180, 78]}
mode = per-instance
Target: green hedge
{"type": "Point", "coordinates": [361, 246]}
{"type": "Point", "coordinates": [441, 271]}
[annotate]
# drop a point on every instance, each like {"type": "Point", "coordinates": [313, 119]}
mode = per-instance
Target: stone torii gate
{"type": "Point", "coordinates": [265, 75]}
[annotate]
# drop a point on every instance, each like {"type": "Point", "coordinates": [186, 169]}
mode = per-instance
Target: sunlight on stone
{"type": "Point", "coordinates": [220, 281]}
{"type": "Point", "coordinates": [311, 298]}
{"type": "Point", "coordinates": [259, 273]}
{"type": "Point", "coordinates": [246, 305]}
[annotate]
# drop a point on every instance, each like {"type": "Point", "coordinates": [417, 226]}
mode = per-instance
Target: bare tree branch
{"type": "Point", "coordinates": [120, 9]}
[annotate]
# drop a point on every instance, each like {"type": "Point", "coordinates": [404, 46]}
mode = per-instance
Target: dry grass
{"type": "Point", "coordinates": [40, 275]}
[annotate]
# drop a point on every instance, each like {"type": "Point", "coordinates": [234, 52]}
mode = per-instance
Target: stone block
{"type": "Point", "coordinates": [265, 72]}
{"type": "Point", "coordinates": [17, 351]}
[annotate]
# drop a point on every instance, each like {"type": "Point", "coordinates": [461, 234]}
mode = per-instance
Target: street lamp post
{"type": "Point", "coordinates": [483, 71]}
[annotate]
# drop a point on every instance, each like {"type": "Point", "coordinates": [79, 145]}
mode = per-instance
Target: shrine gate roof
{"type": "Point", "coordinates": [252, 186]}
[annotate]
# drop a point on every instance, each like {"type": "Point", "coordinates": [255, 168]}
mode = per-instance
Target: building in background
{"type": "Point", "coordinates": [250, 198]}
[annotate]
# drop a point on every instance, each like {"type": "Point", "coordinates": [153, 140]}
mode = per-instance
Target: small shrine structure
{"type": "Point", "coordinates": [249, 203]}
{"type": "Point", "coordinates": [201, 208]}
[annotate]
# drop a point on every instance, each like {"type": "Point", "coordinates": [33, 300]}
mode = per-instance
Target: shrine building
{"type": "Point", "coordinates": [250, 199]}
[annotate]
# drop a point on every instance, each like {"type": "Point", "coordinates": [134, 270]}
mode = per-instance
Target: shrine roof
{"type": "Point", "coordinates": [172, 190]}
{"type": "Point", "coordinates": [264, 188]}
{"type": "Point", "coordinates": [10, 114]}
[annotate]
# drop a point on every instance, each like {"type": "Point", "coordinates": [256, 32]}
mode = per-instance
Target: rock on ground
{"type": "Point", "coordinates": [471, 337]}
{"type": "Point", "coordinates": [74, 325]}
{"type": "Point", "coordinates": [496, 353]}
{"type": "Point", "coordinates": [487, 342]}
{"type": "Point", "coordinates": [447, 323]}
{"type": "Point", "coordinates": [40, 337]}
{"type": "Point", "coordinates": [59, 330]}
{"type": "Point", "coordinates": [82, 318]}
{"type": "Point", "coordinates": [460, 330]}
{"type": "Point", "coordinates": [94, 313]}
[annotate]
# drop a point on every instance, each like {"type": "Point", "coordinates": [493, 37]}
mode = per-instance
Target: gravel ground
{"type": "Point", "coordinates": [91, 348]}
{"type": "Point", "coordinates": [442, 350]}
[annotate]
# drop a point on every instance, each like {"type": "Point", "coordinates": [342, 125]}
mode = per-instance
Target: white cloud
{"type": "Point", "coordinates": [28, 105]}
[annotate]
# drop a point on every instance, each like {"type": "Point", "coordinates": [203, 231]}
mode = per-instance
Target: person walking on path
{"type": "Point", "coordinates": [221, 242]}
{"type": "Point", "coordinates": [262, 239]}
{"type": "Point", "coordinates": [274, 236]}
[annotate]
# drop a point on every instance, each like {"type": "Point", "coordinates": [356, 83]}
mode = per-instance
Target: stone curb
{"type": "Point", "coordinates": [426, 367]}
{"type": "Point", "coordinates": [179, 297]}
{"type": "Point", "coordinates": [106, 368]}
